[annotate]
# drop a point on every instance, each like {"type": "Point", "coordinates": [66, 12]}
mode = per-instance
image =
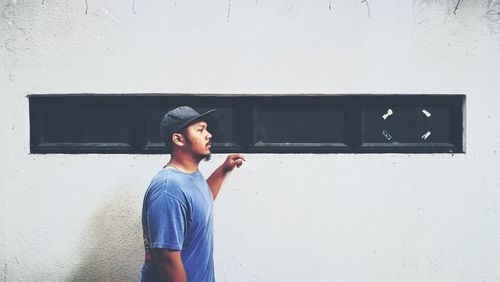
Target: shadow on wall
{"type": "Point", "coordinates": [112, 241]}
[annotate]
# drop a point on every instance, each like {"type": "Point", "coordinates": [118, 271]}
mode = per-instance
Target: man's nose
{"type": "Point", "coordinates": [209, 136]}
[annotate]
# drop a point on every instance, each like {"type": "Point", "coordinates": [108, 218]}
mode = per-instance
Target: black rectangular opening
{"type": "Point", "coordinates": [252, 123]}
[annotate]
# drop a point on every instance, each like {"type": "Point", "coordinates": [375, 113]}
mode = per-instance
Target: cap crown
{"type": "Point", "coordinates": [177, 119]}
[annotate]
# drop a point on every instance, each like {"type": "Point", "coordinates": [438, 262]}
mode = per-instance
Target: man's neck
{"type": "Point", "coordinates": [184, 163]}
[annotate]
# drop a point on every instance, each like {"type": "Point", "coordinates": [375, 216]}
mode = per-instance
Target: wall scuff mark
{"type": "Point", "coordinates": [9, 13]}
{"type": "Point", "coordinates": [367, 6]}
{"type": "Point", "coordinates": [86, 7]}
{"type": "Point", "coordinates": [493, 13]}
{"type": "Point", "coordinates": [228, 10]}
{"type": "Point", "coordinates": [493, 16]}
{"type": "Point", "coordinates": [456, 7]}
{"type": "Point", "coordinates": [133, 7]}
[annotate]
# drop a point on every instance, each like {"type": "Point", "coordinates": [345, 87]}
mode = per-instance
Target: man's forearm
{"type": "Point", "coordinates": [215, 180]}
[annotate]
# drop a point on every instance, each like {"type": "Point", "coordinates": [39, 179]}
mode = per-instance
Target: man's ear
{"type": "Point", "coordinates": [178, 139]}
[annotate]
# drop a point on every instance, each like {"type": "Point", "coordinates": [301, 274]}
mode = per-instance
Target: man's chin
{"type": "Point", "coordinates": [207, 157]}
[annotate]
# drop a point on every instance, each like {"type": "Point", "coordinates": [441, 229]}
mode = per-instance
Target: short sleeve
{"type": "Point", "coordinates": [167, 223]}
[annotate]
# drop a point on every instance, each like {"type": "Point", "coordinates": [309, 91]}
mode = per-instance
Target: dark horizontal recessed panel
{"type": "Point", "coordinates": [252, 124]}
{"type": "Point", "coordinates": [408, 148]}
{"type": "Point", "coordinates": [82, 148]}
{"type": "Point", "coordinates": [80, 122]}
{"type": "Point", "coordinates": [85, 145]}
{"type": "Point", "coordinates": [298, 126]}
{"type": "Point", "coordinates": [301, 145]}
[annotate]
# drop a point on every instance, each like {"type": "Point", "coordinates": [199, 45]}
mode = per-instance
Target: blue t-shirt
{"type": "Point", "coordinates": [177, 214]}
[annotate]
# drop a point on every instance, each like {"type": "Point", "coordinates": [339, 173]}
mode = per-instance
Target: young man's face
{"type": "Point", "coordinates": [198, 140]}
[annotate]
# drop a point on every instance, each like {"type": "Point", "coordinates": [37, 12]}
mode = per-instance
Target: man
{"type": "Point", "coordinates": [177, 209]}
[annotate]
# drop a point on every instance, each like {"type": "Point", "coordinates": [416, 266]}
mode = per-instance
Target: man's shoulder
{"type": "Point", "coordinates": [166, 183]}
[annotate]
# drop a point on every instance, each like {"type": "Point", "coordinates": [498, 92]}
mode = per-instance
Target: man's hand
{"type": "Point", "coordinates": [215, 180]}
{"type": "Point", "coordinates": [233, 160]}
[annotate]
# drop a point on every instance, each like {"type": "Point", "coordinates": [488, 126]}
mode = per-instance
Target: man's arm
{"type": "Point", "coordinates": [170, 267]}
{"type": "Point", "coordinates": [215, 180]}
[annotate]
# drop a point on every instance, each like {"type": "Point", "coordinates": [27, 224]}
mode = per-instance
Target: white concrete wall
{"type": "Point", "coordinates": [306, 217]}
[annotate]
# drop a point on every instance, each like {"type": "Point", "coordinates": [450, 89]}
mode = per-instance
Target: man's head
{"type": "Point", "coordinates": [184, 130]}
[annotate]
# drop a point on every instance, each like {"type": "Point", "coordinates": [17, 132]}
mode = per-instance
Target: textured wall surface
{"type": "Point", "coordinates": [303, 217]}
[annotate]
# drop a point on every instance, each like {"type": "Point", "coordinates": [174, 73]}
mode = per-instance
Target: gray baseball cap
{"type": "Point", "coordinates": [177, 119]}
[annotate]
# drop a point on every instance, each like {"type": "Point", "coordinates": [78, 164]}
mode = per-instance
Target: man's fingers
{"type": "Point", "coordinates": [236, 160]}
